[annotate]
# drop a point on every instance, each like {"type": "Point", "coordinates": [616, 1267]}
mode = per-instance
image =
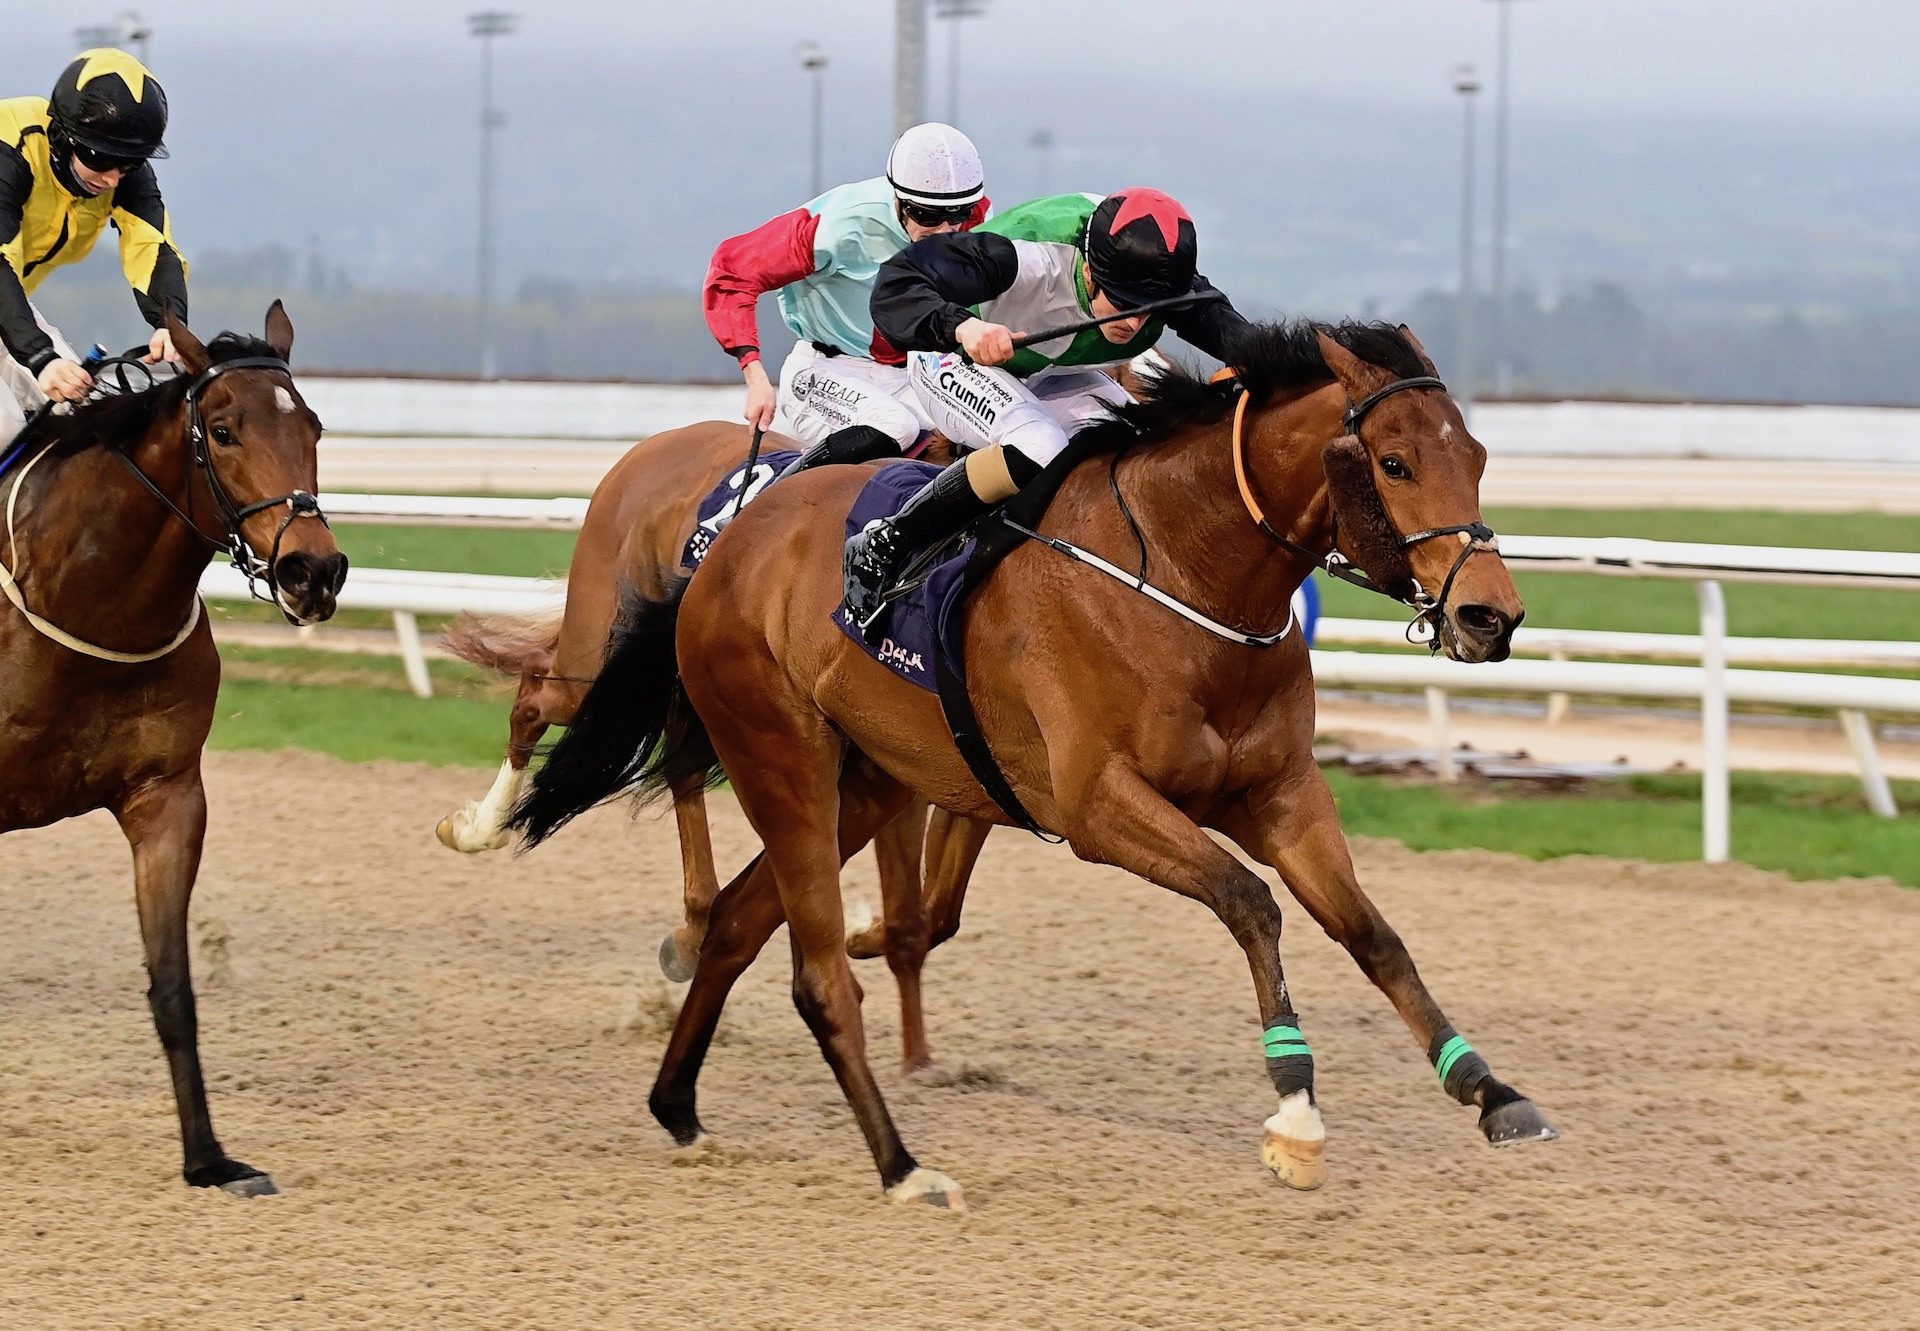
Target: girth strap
{"type": "Point", "coordinates": [950, 675]}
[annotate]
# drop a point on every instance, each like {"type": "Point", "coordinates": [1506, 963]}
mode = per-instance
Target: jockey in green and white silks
{"type": "Point", "coordinates": [842, 382]}
{"type": "Point", "coordinates": [1046, 263]}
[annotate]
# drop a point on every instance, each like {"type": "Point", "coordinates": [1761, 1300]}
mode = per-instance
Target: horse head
{"type": "Point", "coordinates": [1405, 487]}
{"type": "Point", "coordinates": [255, 444]}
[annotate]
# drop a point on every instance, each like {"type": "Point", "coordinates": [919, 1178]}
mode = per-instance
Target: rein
{"type": "Point", "coordinates": [300, 504]}
{"type": "Point", "coordinates": [1474, 536]}
{"type": "Point", "coordinates": [46, 628]}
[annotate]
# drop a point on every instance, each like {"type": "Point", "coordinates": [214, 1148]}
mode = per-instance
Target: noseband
{"type": "Point", "coordinates": [300, 503]}
{"type": "Point", "coordinates": [1474, 536]}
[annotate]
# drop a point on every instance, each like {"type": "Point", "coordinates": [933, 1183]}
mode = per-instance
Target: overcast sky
{"type": "Point", "coordinates": [640, 133]}
{"type": "Point", "coordinates": [1794, 58]}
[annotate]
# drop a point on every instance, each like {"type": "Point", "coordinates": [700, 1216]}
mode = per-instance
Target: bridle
{"type": "Point", "coordinates": [300, 503]}
{"type": "Point", "coordinates": [1474, 536]}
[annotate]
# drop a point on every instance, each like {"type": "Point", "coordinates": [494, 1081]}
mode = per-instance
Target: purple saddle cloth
{"type": "Point", "coordinates": [916, 624]}
{"type": "Point", "coordinates": [719, 505]}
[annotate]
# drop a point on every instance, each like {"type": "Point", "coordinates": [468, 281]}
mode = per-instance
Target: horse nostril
{"type": "Point", "coordinates": [1482, 621]}
{"type": "Point", "coordinates": [294, 574]}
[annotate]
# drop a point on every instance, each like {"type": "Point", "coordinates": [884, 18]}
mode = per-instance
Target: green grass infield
{"type": "Point", "coordinates": [358, 708]}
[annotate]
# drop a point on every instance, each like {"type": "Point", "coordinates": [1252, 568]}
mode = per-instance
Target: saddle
{"type": "Point", "coordinates": [921, 633]}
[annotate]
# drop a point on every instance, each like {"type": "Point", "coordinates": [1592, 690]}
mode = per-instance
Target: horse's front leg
{"type": "Point", "coordinates": [1292, 824]}
{"type": "Point", "coordinates": [1121, 820]}
{"type": "Point", "coordinates": [166, 822]}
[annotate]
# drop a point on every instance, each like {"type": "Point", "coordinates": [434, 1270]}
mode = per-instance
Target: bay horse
{"type": "Point", "coordinates": [637, 524]}
{"type": "Point", "coordinates": [1127, 730]}
{"type": "Point", "coordinates": [109, 664]}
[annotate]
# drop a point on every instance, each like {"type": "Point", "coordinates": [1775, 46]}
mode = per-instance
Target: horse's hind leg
{"type": "Point", "coordinates": [166, 823]}
{"type": "Point", "coordinates": [1295, 827]}
{"type": "Point", "coordinates": [925, 921]}
{"type": "Point", "coordinates": [680, 950]}
{"type": "Point", "coordinates": [795, 788]}
{"type": "Point", "coordinates": [901, 933]}
{"type": "Point", "coordinates": [744, 915]}
{"type": "Point", "coordinates": [538, 703]}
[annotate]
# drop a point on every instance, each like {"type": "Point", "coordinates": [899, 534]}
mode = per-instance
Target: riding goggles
{"type": "Point", "coordinates": [928, 215]}
{"type": "Point", "coordinates": [95, 160]}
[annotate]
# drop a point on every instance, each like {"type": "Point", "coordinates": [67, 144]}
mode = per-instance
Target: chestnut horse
{"type": "Point", "coordinates": [1125, 729]}
{"type": "Point", "coordinates": [110, 669]}
{"type": "Point", "coordinates": [637, 524]}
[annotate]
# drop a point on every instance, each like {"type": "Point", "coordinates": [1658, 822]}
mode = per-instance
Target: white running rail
{"type": "Point", "coordinates": [407, 594]}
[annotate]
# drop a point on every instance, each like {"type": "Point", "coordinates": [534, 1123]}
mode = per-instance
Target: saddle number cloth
{"type": "Point", "coordinates": [908, 644]}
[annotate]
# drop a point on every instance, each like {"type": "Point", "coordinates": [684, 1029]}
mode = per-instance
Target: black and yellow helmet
{"type": "Point", "coordinates": [107, 102]}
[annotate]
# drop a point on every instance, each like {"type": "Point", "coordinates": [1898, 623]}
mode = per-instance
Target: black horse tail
{"type": "Point", "coordinates": [636, 729]}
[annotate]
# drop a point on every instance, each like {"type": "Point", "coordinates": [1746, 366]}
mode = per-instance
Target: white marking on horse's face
{"type": "Point", "coordinates": [1446, 429]}
{"type": "Point", "coordinates": [283, 400]}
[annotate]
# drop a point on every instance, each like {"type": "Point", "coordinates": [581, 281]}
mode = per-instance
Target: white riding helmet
{"type": "Point", "coordinates": [936, 165]}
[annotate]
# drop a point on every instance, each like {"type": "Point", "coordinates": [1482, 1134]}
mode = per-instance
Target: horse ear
{"type": "Point", "coordinates": [280, 331]}
{"type": "Point", "coordinates": [193, 353]}
{"type": "Point", "coordinates": [1420, 351]}
{"type": "Point", "coordinates": [1354, 374]}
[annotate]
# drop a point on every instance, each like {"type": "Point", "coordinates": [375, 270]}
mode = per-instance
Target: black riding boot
{"type": "Point", "coordinates": [874, 557]}
{"type": "Point", "coordinates": [854, 443]}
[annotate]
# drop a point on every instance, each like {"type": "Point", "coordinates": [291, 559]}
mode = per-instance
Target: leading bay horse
{"type": "Point", "coordinates": [1123, 728]}
{"type": "Point", "coordinates": [108, 670]}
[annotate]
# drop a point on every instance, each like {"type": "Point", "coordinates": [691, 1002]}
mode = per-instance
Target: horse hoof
{"type": "Point", "coordinates": [675, 967]}
{"type": "Point", "coordinates": [928, 1187]}
{"type": "Point", "coordinates": [1515, 1122]}
{"type": "Point", "coordinates": [257, 1186]}
{"type": "Point", "coordinates": [233, 1178]}
{"type": "Point", "coordinates": [456, 832]}
{"type": "Point", "coordinates": [1294, 1144]}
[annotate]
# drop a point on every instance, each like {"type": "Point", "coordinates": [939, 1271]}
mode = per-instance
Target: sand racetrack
{"type": "Point", "coordinates": [444, 1061]}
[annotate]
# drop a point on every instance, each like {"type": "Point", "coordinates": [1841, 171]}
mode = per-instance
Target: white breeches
{"type": "Point", "coordinates": [820, 394]}
{"type": "Point", "coordinates": [23, 396]}
{"type": "Point", "coordinates": [978, 405]}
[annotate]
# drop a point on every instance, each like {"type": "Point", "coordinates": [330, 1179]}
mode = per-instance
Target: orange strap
{"type": "Point", "coordinates": [1240, 462]}
{"type": "Point", "coordinates": [1225, 375]}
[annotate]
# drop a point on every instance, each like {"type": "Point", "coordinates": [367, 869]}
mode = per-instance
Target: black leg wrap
{"type": "Point", "coordinates": [1459, 1067]}
{"type": "Point", "coordinates": [1289, 1060]}
{"type": "Point", "coordinates": [855, 443]}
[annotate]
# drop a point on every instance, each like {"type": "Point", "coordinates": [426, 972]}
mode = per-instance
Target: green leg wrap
{"type": "Point", "coordinates": [1459, 1068]}
{"type": "Point", "coordinates": [1289, 1059]}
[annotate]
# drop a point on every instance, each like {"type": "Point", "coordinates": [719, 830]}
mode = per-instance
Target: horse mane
{"type": "Point", "coordinates": [1267, 358]}
{"type": "Point", "coordinates": [118, 420]}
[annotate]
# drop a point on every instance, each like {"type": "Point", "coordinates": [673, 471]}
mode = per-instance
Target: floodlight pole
{"type": "Point", "coordinates": [126, 32]}
{"type": "Point", "coordinates": [1041, 141]}
{"type": "Point", "coordinates": [814, 61]}
{"type": "Point", "coordinates": [909, 64]}
{"type": "Point", "coordinates": [1502, 361]}
{"type": "Point", "coordinates": [1467, 84]}
{"type": "Point", "coordinates": [486, 25]}
{"type": "Point", "coordinates": [954, 11]}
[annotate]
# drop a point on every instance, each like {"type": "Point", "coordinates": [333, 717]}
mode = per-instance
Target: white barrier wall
{"type": "Point", "coordinates": [1699, 430]}
{"type": "Point", "coordinates": [516, 409]}
{"type": "Point", "coordinates": [513, 409]}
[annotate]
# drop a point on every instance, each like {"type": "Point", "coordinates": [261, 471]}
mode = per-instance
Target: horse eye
{"type": "Point", "coordinates": [223, 436]}
{"type": "Point", "coordinates": [1395, 469]}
